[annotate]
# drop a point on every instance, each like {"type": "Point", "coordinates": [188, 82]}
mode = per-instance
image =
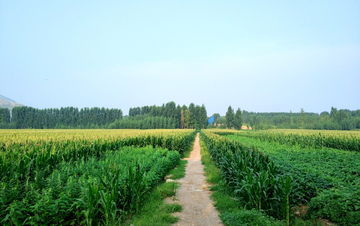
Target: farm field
{"type": "Point", "coordinates": [325, 179]}
{"type": "Point", "coordinates": [24, 135]}
{"type": "Point", "coordinates": [101, 177]}
{"type": "Point", "coordinates": [345, 140]}
{"type": "Point", "coordinates": [324, 132]}
{"type": "Point", "coordinates": [82, 177]}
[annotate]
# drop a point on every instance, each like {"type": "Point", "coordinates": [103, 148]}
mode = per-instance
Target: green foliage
{"type": "Point", "coordinates": [351, 143]}
{"type": "Point", "coordinates": [250, 176]}
{"type": "Point", "coordinates": [327, 178]}
{"type": "Point", "coordinates": [194, 115]}
{"type": "Point", "coordinates": [83, 181]}
{"type": "Point", "coordinates": [179, 171]}
{"type": "Point", "coordinates": [340, 205]}
{"type": "Point", "coordinates": [100, 190]}
{"type": "Point", "coordinates": [229, 117]}
{"type": "Point", "coordinates": [231, 213]}
{"type": "Point", "coordinates": [4, 116]}
{"type": "Point", "coordinates": [186, 153]}
{"type": "Point", "coordinates": [19, 161]}
{"type": "Point", "coordinates": [249, 218]}
{"type": "Point", "coordinates": [172, 208]}
{"type": "Point", "coordinates": [337, 120]}
{"type": "Point", "coordinates": [168, 189]}
{"type": "Point", "coordinates": [147, 122]}
{"type": "Point", "coordinates": [153, 117]}
{"type": "Point", "coordinates": [212, 173]}
{"type": "Point", "coordinates": [69, 117]}
{"type": "Point", "coordinates": [238, 119]}
{"type": "Point", "coordinates": [155, 211]}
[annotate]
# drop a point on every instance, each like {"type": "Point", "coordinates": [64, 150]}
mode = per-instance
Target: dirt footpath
{"type": "Point", "coordinates": [194, 195]}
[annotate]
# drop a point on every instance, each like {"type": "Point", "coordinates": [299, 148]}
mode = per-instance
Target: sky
{"type": "Point", "coordinates": [260, 56]}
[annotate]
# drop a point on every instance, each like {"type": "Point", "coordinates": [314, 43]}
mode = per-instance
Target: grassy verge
{"type": "Point", "coordinates": [231, 213]}
{"type": "Point", "coordinates": [155, 211]}
{"type": "Point", "coordinates": [186, 153]}
{"type": "Point", "coordinates": [212, 173]}
{"type": "Point", "coordinates": [178, 172]}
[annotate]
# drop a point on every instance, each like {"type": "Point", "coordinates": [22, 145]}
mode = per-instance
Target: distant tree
{"type": "Point", "coordinates": [4, 115]}
{"type": "Point", "coordinates": [324, 114]}
{"type": "Point", "coordinates": [203, 119]}
{"type": "Point", "coordinates": [182, 119]}
{"type": "Point", "coordinates": [302, 117]}
{"type": "Point", "coordinates": [253, 121]}
{"type": "Point", "coordinates": [221, 120]}
{"type": "Point", "coordinates": [177, 118]}
{"type": "Point", "coordinates": [216, 115]}
{"type": "Point", "coordinates": [204, 116]}
{"type": "Point", "coordinates": [192, 115]}
{"type": "Point", "coordinates": [187, 119]}
{"type": "Point", "coordinates": [229, 117]}
{"type": "Point", "coordinates": [238, 119]}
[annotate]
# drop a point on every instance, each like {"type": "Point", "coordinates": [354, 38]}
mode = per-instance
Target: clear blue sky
{"type": "Point", "coordinates": [262, 56]}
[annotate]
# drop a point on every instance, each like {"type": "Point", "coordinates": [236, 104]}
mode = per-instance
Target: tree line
{"type": "Point", "coordinates": [342, 119]}
{"type": "Point", "coordinates": [68, 117]}
{"type": "Point", "coordinates": [183, 117]}
{"type": "Point", "coordinates": [144, 122]}
{"type": "Point", "coordinates": [167, 116]}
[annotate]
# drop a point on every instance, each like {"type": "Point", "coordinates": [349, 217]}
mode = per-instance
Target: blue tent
{"type": "Point", "coordinates": [211, 120]}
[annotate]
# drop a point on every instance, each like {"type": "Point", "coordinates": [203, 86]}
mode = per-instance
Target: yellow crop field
{"type": "Point", "coordinates": [323, 132]}
{"type": "Point", "coordinates": [25, 135]}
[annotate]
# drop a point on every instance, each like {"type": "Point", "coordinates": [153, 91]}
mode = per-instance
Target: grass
{"type": "Point", "coordinates": [186, 153]}
{"type": "Point", "coordinates": [179, 171]}
{"type": "Point", "coordinates": [155, 211]}
{"type": "Point", "coordinates": [212, 173]}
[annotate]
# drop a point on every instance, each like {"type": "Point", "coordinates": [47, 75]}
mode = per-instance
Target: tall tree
{"type": "Point", "coordinates": [182, 119]}
{"type": "Point", "coordinates": [203, 116]}
{"type": "Point", "coordinates": [229, 117]}
{"type": "Point", "coordinates": [4, 115]}
{"type": "Point", "coordinates": [187, 119]}
{"type": "Point", "coordinates": [302, 117]}
{"type": "Point", "coordinates": [238, 119]}
{"type": "Point", "coordinates": [191, 115]}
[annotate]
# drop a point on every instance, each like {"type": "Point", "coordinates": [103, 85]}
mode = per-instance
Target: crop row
{"type": "Point", "coordinates": [251, 177]}
{"type": "Point", "coordinates": [89, 191]}
{"type": "Point", "coordinates": [326, 180]}
{"type": "Point", "coordinates": [341, 141]}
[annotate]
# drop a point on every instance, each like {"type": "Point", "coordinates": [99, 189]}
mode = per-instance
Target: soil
{"type": "Point", "coordinates": [194, 195]}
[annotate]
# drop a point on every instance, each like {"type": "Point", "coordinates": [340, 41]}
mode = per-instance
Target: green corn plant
{"type": "Point", "coordinates": [286, 190]}
{"type": "Point", "coordinates": [108, 207]}
{"type": "Point", "coordinates": [91, 201]}
{"type": "Point", "coordinates": [248, 173]}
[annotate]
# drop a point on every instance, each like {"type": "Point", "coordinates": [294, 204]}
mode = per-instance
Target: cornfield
{"type": "Point", "coordinates": [250, 176]}
{"type": "Point", "coordinates": [310, 139]}
{"type": "Point", "coordinates": [82, 178]}
{"type": "Point", "coordinates": [325, 179]}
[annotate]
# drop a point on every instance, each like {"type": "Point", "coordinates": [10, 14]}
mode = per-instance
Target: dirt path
{"type": "Point", "coordinates": [194, 195]}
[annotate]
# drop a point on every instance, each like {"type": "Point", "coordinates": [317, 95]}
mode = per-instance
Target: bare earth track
{"type": "Point", "coordinates": [194, 195]}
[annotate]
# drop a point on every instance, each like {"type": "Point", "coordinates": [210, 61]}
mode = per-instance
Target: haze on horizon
{"type": "Point", "coordinates": [261, 56]}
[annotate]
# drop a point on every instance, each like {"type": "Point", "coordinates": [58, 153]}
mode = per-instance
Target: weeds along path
{"type": "Point", "coordinates": [194, 195]}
